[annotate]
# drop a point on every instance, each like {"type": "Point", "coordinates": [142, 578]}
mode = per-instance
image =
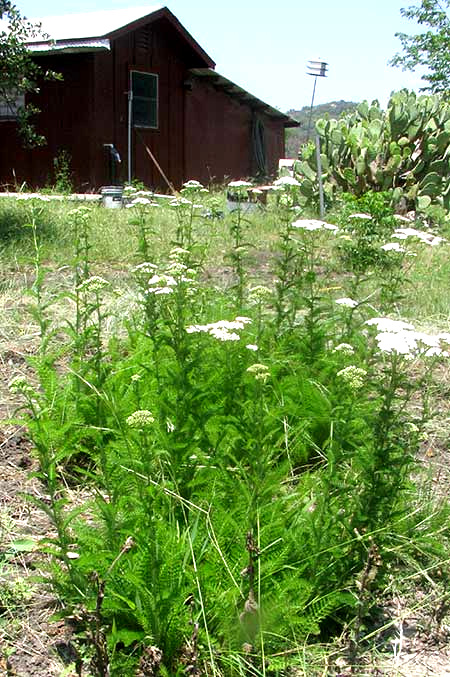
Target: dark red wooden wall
{"type": "Point", "coordinates": [218, 138]}
{"type": "Point", "coordinates": [203, 132]}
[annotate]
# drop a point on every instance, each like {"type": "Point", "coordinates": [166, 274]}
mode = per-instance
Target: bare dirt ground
{"type": "Point", "coordinates": [34, 645]}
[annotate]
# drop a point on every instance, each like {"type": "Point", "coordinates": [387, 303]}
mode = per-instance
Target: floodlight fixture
{"type": "Point", "coordinates": [318, 69]}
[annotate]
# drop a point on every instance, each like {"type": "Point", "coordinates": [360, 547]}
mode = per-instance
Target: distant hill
{"type": "Point", "coordinates": [297, 136]}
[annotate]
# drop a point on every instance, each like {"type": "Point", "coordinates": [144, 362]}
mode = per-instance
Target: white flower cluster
{"type": "Point", "coordinates": [140, 419]}
{"type": "Point", "coordinates": [421, 235]}
{"type": "Point", "coordinates": [259, 294]}
{"type": "Point", "coordinates": [193, 187]}
{"type": "Point", "coordinates": [344, 349]}
{"type": "Point", "coordinates": [165, 282]}
{"type": "Point", "coordinates": [224, 330]}
{"type": "Point", "coordinates": [161, 284]}
{"type": "Point", "coordinates": [393, 247]}
{"type": "Point", "coordinates": [361, 215]}
{"type": "Point", "coordinates": [353, 376]}
{"type": "Point", "coordinates": [239, 184]}
{"type": "Point", "coordinates": [19, 384]}
{"type": "Point", "coordinates": [145, 268]}
{"type": "Point", "coordinates": [347, 302]}
{"type": "Point", "coordinates": [178, 253]}
{"type": "Point", "coordinates": [314, 224]}
{"type": "Point", "coordinates": [259, 371]}
{"type": "Point", "coordinates": [286, 182]}
{"type": "Point", "coordinates": [93, 284]}
{"type": "Point", "coordinates": [142, 202]}
{"type": "Point", "coordinates": [396, 336]}
{"type": "Point", "coordinates": [182, 202]}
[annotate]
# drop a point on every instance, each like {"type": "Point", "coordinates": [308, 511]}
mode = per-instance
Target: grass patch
{"type": "Point", "coordinates": [246, 427]}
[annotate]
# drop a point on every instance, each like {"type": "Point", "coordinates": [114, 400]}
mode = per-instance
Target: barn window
{"type": "Point", "coordinates": [144, 87]}
{"type": "Point", "coordinates": [10, 102]}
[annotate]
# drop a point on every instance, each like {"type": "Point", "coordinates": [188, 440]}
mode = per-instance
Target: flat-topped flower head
{"type": "Point", "coordinates": [140, 419]}
{"type": "Point", "coordinates": [386, 324]}
{"type": "Point", "coordinates": [259, 371]}
{"type": "Point", "coordinates": [314, 224]}
{"type": "Point", "coordinates": [93, 284]}
{"type": "Point", "coordinates": [145, 268]}
{"type": "Point", "coordinates": [421, 235]}
{"type": "Point", "coordinates": [352, 376]}
{"type": "Point", "coordinates": [180, 202]}
{"type": "Point", "coordinates": [393, 247]}
{"type": "Point", "coordinates": [223, 334]}
{"type": "Point", "coordinates": [140, 201]}
{"type": "Point", "coordinates": [19, 385]}
{"type": "Point", "coordinates": [252, 346]}
{"type": "Point", "coordinates": [396, 336]}
{"type": "Point", "coordinates": [224, 330]}
{"type": "Point", "coordinates": [259, 294]}
{"type": "Point", "coordinates": [239, 184]}
{"type": "Point", "coordinates": [286, 181]}
{"type": "Point", "coordinates": [178, 253]}
{"type": "Point", "coordinates": [193, 184]}
{"type": "Point", "coordinates": [347, 302]}
{"type": "Point", "coordinates": [360, 215]}
{"type": "Point", "coordinates": [344, 349]}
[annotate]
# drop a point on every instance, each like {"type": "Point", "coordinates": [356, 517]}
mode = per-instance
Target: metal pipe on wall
{"type": "Point", "coordinates": [130, 132]}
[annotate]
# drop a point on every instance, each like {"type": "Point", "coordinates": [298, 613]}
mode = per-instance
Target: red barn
{"type": "Point", "coordinates": [134, 78]}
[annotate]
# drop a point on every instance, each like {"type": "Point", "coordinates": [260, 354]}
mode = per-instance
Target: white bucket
{"type": "Point", "coordinates": [112, 196]}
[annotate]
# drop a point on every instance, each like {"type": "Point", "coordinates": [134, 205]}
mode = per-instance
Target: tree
{"type": "Point", "coordinates": [430, 48]}
{"type": "Point", "coordinates": [19, 74]}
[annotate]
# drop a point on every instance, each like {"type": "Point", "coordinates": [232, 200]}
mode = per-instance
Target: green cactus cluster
{"type": "Point", "coordinates": [405, 149]}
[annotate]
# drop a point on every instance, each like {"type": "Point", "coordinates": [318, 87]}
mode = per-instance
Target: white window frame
{"type": "Point", "coordinates": [153, 101]}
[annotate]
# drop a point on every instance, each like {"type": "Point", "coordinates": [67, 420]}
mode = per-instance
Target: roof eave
{"type": "Point", "coordinates": [237, 92]}
{"type": "Point", "coordinates": [69, 46]}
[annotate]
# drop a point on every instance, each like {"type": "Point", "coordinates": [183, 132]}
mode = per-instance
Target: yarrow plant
{"type": "Point", "coordinates": [248, 453]}
{"type": "Point", "coordinates": [140, 419]}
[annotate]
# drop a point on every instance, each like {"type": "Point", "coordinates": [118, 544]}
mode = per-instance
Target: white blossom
{"type": "Point", "coordinates": [314, 224]}
{"type": "Point", "coordinates": [353, 376]}
{"type": "Point", "coordinates": [426, 238]}
{"type": "Point", "coordinates": [140, 419]}
{"type": "Point", "coordinates": [360, 215]}
{"type": "Point", "coordinates": [346, 301]}
{"type": "Point", "coordinates": [286, 181]}
{"type": "Point", "coordinates": [93, 284]}
{"type": "Point", "coordinates": [259, 371]}
{"type": "Point", "coordinates": [223, 334]}
{"type": "Point", "coordinates": [393, 247]}
{"type": "Point", "coordinates": [239, 184]}
{"type": "Point", "coordinates": [192, 183]}
{"type": "Point", "coordinates": [385, 324]}
{"type": "Point", "coordinates": [344, 348]}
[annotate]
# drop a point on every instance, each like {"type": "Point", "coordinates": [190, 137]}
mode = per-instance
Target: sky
{"type": "Point", "coordinates": [264, 45]}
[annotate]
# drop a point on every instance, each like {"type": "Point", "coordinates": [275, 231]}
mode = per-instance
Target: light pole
{"type": "Point", "coordinates": [318, 69]}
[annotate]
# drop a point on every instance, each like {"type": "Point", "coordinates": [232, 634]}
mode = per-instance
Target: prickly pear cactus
{"type": "Point", "coordinates": [405, 149]}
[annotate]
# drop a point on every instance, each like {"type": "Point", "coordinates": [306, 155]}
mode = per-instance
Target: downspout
{"type": "Point", "coordinates": [130, 130]}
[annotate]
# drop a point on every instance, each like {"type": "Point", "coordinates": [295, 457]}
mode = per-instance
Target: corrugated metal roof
{"type": "Point", "coordinates": [95, 24]}
{"type": "Point", "coordinates": [70, 46]}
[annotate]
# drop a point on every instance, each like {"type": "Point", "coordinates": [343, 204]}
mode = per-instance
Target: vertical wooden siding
{"type": "Point", "coordinates": [203, 133]}
{"type": "Point", "coordinates": [218, 139]}
{"type": "Point", "coordinates": [64, 120]}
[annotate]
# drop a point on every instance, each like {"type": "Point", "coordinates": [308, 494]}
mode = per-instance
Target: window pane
{"type": "Point", "coordinates": [145, 99]}
{"type": "Point", "coordinates": [144, 112]}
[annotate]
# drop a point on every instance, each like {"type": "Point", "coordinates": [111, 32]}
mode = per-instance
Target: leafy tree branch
{"type": "Point", "coordinates": [430, 48]}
